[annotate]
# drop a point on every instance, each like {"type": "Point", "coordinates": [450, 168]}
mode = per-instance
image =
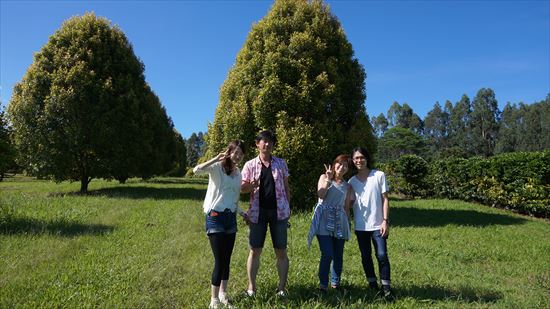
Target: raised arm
{"type": "Point", "coordinates": [201, 167]}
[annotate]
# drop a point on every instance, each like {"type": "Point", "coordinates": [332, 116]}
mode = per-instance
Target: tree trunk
{"type": "Point", "coordinates": [84, 184]}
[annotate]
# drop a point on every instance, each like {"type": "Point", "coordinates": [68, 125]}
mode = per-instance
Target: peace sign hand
{"type": "Point", "coordinates": [328, 171]}
{"type": "Point", "coordinates": [222, 155]}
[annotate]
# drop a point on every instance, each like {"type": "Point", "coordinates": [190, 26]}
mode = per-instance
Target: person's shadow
{"type": "Point", "coordinates": [349, 295]}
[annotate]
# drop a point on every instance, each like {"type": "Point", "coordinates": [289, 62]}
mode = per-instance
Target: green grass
{"type": "Point", "coordinates": [143, 245]}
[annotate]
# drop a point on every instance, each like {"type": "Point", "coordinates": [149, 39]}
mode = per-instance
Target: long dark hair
{"type": "Point", "coordinates": [366, 154]}
{"type": "Point", "coordinates": [227, 164]}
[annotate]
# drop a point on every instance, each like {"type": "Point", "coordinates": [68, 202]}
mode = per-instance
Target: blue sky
{"type": "Point", "coordinates": [417, 52]}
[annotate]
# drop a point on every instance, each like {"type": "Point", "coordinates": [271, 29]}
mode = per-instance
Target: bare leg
{"type": "Point", "coordinates": [282, 267]}
{"type": "Point", "coordinates": [252, 267]}
{"type": "Point", "coordinates": [215, 291]}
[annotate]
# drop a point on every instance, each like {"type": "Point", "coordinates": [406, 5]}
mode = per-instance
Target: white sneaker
{"type": "Point", "coordinates": [214, 303]}
{"type": "Point", "coordinates": [281, 293]}
{"type": "Point", "coordinates": [249, 293]}
{"type": "Point", "coordinates": [225, 301]}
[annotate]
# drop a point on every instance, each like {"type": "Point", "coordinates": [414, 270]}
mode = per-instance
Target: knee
{"type": "Point", "coordinates": [382, 257]}
{"type": "Point", "coordinates": [327, 256]}
{"type": "Point", "coordinates": [255, 253]}
{"type": "Point", "coordinates": [281, 254]}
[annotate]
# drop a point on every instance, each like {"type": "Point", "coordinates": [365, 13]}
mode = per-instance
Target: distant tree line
{"type": "Point", "coordinates": [463, 129]}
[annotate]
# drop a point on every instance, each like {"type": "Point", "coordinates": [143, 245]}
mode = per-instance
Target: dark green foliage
{"type": "Point", "coordinates": [83, 109]}
{"type": "Point", "coordinates": [459, 127]}
{"type": "Point", "coordinates": [195, 148]}
{"type": "Point", "coordinates": [484, 122]}
{"type": "Point", "coordinates": [404, 117]}
{"type": "Point", "coordinates": [7, 151]}
{"type": "Point", "coordinates": [297, 76]}
{"type": "Point", "coordinates": [519, 181]}
{"type": "Point", "coordinates": [524, 127]}
{"type": "Point", "coordinates": [436, 129]}
{"type": "Point", "coordinates": [399, 141]}
{"type": "Point", "coordinates": [407, 176]}
{"type": "Point", "coordinates": [379, 125]}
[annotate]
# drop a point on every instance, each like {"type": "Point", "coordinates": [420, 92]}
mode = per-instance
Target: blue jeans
{"type": "Point", "coordinates": [221, 222]}
{"type": "Point", "coordinates": [332, 250]}
{"type": "Point", "coordinates": [364, 239]}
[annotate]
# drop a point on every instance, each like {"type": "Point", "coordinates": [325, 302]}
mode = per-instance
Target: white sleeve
{"type": "Point", "coordinates": [383, 184]}
{"type": "Point", "coordinates": [205, 170]}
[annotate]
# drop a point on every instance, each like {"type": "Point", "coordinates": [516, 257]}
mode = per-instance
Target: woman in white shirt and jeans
{"type": "Point", "coordinates": [220, 206]}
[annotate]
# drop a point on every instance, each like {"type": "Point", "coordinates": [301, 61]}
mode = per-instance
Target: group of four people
{"type": "Point", "coordinates": [265, 178]}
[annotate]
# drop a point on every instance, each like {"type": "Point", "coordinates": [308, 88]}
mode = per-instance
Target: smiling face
{"type": "Point", "coordinates": [236, 155]}
{"type": "Point", "coordinates": [340, 169]}
{"type": "Point", "coordinates": [359, 160]}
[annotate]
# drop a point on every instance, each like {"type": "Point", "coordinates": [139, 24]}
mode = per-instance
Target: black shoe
{"type": "Point", "coordinates": [373, 285]}
{"type": "Point", "coordinates": [387, 293]}
{"type": "Point", "coordinates": [322, 291]}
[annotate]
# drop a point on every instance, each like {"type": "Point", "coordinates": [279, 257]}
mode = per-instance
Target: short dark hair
{"type": "Point", "coordinates": [266, 135]}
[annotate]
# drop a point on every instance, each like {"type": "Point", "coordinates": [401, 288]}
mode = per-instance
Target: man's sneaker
{"type": "Point", "coordinates": [249, 293]}
{"type": "Point", "coordinates": [281, 293]}
{"type": "Point", "coordinates": [373, 285]}
{"type": "Point", "coordinates": [387, 292]}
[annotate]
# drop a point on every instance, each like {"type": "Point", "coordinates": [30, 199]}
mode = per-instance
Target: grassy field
{"type": "Point", "coordinates": [143, 245]}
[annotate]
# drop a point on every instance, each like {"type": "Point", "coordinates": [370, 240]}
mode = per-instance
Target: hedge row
{"type": "Point", "coordinates": [519, 181]}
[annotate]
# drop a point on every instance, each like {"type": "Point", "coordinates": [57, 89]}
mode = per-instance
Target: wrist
{"type": "Point", "coordinates": [386, 220]}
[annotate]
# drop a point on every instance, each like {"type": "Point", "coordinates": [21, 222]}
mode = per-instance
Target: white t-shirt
{"type": "Point", "coordinates": [223, 190]}
{"type": "Point", "coordinates": [368, 206]}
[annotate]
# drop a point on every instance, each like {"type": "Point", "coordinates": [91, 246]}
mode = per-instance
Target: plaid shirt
{"type": "Point", "coordinates": [251, 171]}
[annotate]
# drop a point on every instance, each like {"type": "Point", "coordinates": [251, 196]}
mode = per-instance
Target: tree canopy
{"type": "Point", "coordinates": [83, 109]}
{"type": "Point", "coordinates": [297, 76]}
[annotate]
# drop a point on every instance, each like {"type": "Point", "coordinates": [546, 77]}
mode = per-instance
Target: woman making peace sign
{"type": "Point", "coordinates": [330, 220]}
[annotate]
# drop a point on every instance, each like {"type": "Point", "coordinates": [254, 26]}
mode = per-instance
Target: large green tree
{"type": "Point", "coordinates": [399, 141]}
{"type": "Point", "coordinates": [296, 75]}
{"type": "Point", "coordinates": [459, 128]}
{"type": "Point", "coordinates": [484, 122]}
{"type": "Point", "coordinates": [436, 126]}
{"type": "Point", "coordinates": [79, 112]}
{"type": "Point", "coordinates": [379, 125]}
{"type": "Point", "coordinates": [195, 148]}
{"type": "Point", "coordinates": [403, 116]}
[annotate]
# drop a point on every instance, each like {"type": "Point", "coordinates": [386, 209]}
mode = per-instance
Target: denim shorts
{"type": "Point", "coordinates": [221, 222]}
{"type": "Point", "coordinates": [277, 228]}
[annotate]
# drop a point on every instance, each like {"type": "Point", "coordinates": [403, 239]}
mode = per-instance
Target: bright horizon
{"type": "Point", "coordinates": [414, 52]}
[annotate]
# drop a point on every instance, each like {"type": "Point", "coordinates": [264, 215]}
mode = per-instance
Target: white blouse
{"type": "Point", "coordinates": [223, 190]}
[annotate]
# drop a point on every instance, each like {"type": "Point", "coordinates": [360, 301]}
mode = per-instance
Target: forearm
{"type": "Point", "coordinates": [386, 206]}
{"type": "Point", "coordinates": [206, 164]}
{"type": "Point", "coordinates": [322, 187]}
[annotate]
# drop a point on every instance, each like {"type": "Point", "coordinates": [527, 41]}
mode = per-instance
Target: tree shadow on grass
{"type": "Point", "coordinates": [141, 192]}
{"type": "Point", "coordinates": [353, 295]}
{"type": "Point", "coordinates": [405, 217]}
{"type": "Point", "coordinates": [14, 226]}
{"type": "Point", "coordinates": [178, 181]}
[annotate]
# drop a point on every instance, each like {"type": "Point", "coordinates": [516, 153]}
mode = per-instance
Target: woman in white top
{"type": "Point", "coordinates": [371, 212]}
{"type": "Point", "coordinates": [220, 206]}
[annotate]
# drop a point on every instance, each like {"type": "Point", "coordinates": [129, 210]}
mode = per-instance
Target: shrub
{"type": "Point", "coordinates": [407, 175]}
{"type": "Point", "coordinates": [518, 181]}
